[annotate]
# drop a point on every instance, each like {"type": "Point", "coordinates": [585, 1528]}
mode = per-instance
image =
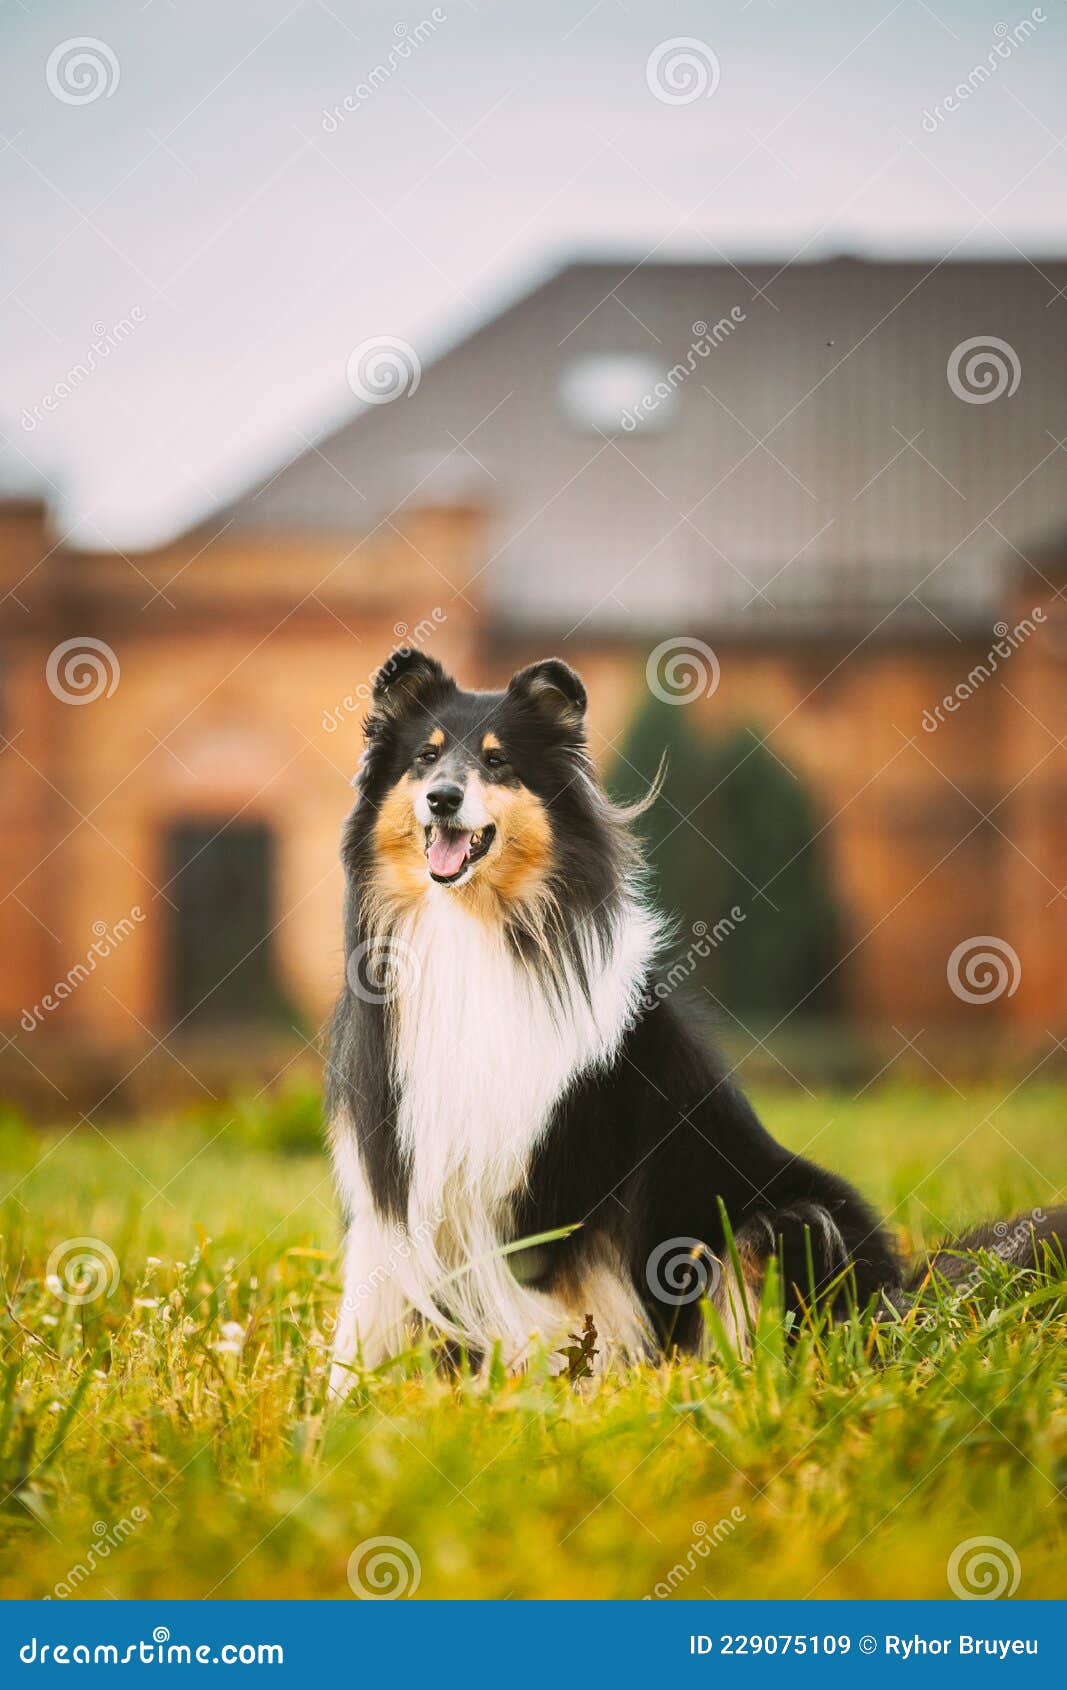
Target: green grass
{"type": "Point", "coordinates": [179, 1422]}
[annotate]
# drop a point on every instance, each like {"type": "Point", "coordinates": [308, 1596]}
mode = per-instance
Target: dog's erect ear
{"type": "Point", "coordinates": [554, 688]}
{"type": "Point", "coordinates": [405, 678]}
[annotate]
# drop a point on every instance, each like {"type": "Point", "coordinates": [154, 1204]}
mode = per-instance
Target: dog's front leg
{"type": "Point", "coordinates": [371, 1319]}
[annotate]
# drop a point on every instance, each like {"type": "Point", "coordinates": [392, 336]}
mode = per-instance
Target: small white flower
{"type": "Point", "coordinates": [231, 1337]}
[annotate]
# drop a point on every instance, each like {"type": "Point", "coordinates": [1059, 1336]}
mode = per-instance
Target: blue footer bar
{"type": "Point", "coordinates": [446, 1643]}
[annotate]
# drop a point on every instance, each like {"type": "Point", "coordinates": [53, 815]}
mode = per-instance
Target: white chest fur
{"type": "Point", "coordinates": [481, 1053]}
{"type": "Point", "coordinates": [482, 1050]}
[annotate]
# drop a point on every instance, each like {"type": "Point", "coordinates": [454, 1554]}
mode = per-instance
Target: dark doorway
{"type": "Point", "coordinates": [222, 963]}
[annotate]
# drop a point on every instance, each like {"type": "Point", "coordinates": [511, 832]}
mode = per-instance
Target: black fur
{"type": "Point", "coordinates": [648, 1150]}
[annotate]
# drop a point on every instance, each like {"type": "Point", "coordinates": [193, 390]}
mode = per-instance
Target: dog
{"type": "Point", "coordinates": [519, 1143]}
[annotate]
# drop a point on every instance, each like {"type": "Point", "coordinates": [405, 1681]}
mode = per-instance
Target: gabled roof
{"type": "Point", "coordinates": [871, 441]}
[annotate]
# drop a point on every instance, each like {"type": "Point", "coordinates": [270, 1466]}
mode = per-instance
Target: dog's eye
{"type": "Point", "coordinates": [428, 754]}
{"type": "Point", "coordinates": [495, 760]}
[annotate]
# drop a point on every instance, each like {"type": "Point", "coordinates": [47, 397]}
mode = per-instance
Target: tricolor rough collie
{"type": "Point", "coordinates": [495, 1073]}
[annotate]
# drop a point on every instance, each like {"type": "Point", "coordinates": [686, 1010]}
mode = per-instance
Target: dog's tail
{"type": "Point", "coordinates": [1034, 1240]}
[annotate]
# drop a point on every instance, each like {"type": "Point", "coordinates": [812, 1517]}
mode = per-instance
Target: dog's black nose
{"type": "Point", "coordinates": [445, 800]}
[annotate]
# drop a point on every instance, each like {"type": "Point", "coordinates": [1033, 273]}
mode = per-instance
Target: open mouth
{"type": "Point", "coordinates": [450, 851]}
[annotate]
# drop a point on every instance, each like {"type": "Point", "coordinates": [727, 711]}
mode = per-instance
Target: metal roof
{"type": "Point", "coordinates": [875, 443]}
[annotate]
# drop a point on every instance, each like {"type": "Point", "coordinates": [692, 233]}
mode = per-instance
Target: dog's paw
{"type": "Point", "coordinates": [811, 1252]}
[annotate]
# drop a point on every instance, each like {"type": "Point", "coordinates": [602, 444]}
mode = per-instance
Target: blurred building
{"type": "Point", "coordinates": [846, 480]}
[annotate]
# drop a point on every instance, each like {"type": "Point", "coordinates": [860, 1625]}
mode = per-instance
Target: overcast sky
{"type": "Point", "coordinates": [208, 219]}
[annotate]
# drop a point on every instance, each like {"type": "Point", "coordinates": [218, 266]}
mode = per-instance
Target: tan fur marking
{"type": "Point", "coordinates": [519, 869]}
{"type": "Point", "coordinates": [603, 1290]}
{"type": "Point", "coordinates": [490, 743]}
{"type": "Point", "coordinates": [400, 876]}
{"type": "Point", "coordinates": [437, 737]}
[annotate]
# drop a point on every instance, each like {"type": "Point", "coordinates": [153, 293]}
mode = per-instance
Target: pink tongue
{"type": "Point", "coordinates": [447, 852]}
